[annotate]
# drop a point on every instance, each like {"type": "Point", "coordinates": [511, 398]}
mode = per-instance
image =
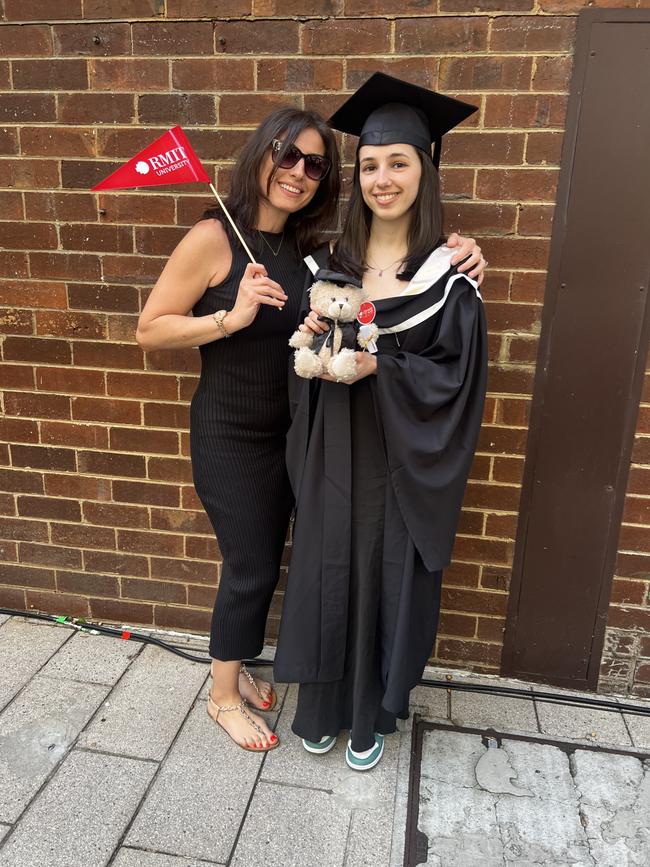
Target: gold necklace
{"type": "Point", "coordinates": [275, 252]}
{"type": "Point", "coordinates": [380, 271]}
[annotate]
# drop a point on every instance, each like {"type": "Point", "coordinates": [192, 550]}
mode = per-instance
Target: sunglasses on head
{"type": "Point", "coordinates": [316, 166]}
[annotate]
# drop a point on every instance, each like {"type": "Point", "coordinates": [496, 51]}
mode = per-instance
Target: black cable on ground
{"type": "Point", "coordinates": [564, 698]}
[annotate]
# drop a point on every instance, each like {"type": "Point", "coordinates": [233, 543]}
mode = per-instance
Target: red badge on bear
{"type": "Point", "coordinates": [366, 313]}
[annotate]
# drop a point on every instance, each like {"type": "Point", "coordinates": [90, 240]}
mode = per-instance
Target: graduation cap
{"type": "Point", "coordinates": [386, 110]}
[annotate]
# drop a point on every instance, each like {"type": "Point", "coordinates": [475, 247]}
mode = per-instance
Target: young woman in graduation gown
{"type": "Point", "coordinates": [379, 464]}
{"type": "Point", "coordinates": [284, 193]}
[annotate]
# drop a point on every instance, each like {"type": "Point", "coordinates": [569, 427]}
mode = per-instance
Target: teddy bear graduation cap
{"type": "Point", "coordinates": [386, 110]}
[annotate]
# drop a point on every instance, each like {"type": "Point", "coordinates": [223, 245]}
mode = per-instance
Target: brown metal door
{"type": "Point", "coordinates": [591, 361]}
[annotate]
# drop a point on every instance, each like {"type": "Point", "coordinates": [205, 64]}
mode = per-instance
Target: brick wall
{"type": "Point", "coordinates": [100, 518]}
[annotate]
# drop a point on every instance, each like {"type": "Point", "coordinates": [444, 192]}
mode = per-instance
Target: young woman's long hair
{"type": "Point", "coordinates": [243, 201]}
{"type": "Point", "coordinates": [424, 234]}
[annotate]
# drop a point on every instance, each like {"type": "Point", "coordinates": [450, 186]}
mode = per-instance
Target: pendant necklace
{"type": "Point", "coordinates": [275, 252]}
{"type": "Point", "coordinates": [380, 271]}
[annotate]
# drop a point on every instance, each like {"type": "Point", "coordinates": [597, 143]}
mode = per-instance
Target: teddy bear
{"type": "Point", "coordinates": [337, 298]}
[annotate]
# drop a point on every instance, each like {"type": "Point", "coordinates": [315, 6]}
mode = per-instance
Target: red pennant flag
{"type": "Point", "coordinates": [168, 160]}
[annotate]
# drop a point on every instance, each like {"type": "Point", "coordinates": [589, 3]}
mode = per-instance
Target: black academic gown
{"type": "Point", "coordinates": [428, 398]}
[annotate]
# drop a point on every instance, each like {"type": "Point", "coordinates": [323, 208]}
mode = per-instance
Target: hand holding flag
{"type": "Point", "coordinates": [170, 159]}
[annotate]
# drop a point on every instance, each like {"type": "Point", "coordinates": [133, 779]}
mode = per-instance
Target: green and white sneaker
{"type": "Point", "coordinates": [367, 759]}
{"type": "Point", "coordinates": [324, 745]}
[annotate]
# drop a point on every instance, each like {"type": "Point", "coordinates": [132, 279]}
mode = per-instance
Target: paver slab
{"type": "Point", "coordinates": [147, 707]}
{"type": "Point", "coordinates": [79, 817]}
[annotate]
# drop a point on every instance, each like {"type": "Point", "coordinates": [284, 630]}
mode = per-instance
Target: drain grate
{"type": "Point", "coordinates": [417, 844]}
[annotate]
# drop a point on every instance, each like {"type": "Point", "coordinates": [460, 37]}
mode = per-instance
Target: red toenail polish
{"type": "Point", "coordinates": [266, 704]}
{"type": "Point", "coordinates": [273, 738]}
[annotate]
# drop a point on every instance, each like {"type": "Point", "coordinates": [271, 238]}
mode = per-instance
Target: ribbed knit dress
{"type": "Point", "coordinates": [239, 417]}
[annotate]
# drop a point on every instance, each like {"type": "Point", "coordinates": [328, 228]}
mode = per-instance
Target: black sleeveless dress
{"type": "Point", "coordinates": [239, 417]}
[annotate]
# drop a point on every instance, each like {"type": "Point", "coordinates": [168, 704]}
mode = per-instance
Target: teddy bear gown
{"type": "Point", "coordinates": [238, 422]}
{"type": "Point", "coordinates": [379, 469]}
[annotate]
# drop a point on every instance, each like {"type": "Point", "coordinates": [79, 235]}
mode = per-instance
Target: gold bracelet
{"type": "Point", "coordinates": [218, 317]}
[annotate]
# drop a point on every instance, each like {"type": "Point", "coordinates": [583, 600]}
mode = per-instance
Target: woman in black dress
{"type": "Point", "coordinates": [284, 192]}
{"type": "Point", "coordinates": [379, 463]}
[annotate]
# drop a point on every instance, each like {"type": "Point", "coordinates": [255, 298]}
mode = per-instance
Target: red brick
{"type": "Point", "coordinates": [492, 496]}
{"type": "Point", "coordinates": [120, 564]}
{"type": "Point", "coordinates": [544, 148]}
{"type": "Point", "coordinates": [169, 469]}
{"type": "Point", "coordinates": [8, 139]}
{"type": "Point", "coordinates": [256, 37]}
{"type": "Point", "coordinates": [49, 507]}
{"type": "Point", "coordinates": [12, 597]}
{"type": "Point", "coordinates": [633, 538]}
{"type": "Point", "coordinates": [60, 206]}
{"type": "Point", "coordinates": [510, 379]}
{"type": "Point", "coordinates": [129, 74]}
{"type": "Point", "coordinates": [30, 40]}
{"type": "Point", "coordinates": [532, 34]}
{"type": "Point", "coordinates": [122, 327]}
{"type": "Point", "coordinates": [641, 450]}
{"type": "Point", "coordinates": [523, 349]}
{"type": "Point", "coordinates": [16, 481]}
{"type": "Point", "coordinates": [16, 322]}
{"type": "Point", "coordinates": [13, 264]}
{"type": "Point", "coordinates": [177, 108]}
{"type": "Point", "coordinates": [132, 269]}
{"type": "Point", "coordinates": [50, 75]}
{"type": "Point", "coordinates": [201, 548]}
{"type": "Point", "coordinates": [111, 463]}
{"type": "Point", "coordinates": [147, 493]}
{"type": "Point", "coordinates": [535, 220]}
{"type": "Point", "coordinates": [65, 433]}
{"type": "Point", "coordinates": [27, 576]}
{"type": "Point", "coordinates": [87, 585]}
{"type": "Point", "coordinates": [34, 10]}
{"type": "Point", "coordinates": [552, 73]}
{"type": "Point", "coordinates": [485, 73]}
{"type": "Point", "coordinates": [513, 317]}
{"type": "Point", "coordinates": [270, 8]}
{"type": "Point", "coordinates": [121, 8]}
{"type": "Point", "coordinates": [629, 592]}
{"type": "Point", "coordinates": [501, 526]}
{"type": "Point", "coordinates": [49, 555]}
{"type": "Point", "coordinates": [171, 415]}
{"type": "Point", "coordinates": [516, 184]}
{"type": "Point", "coordinates": [120, 611]}
{"type": "Point", "coordinates": [111, 515]}
{"type": "Point", "coordinates": [44, 141]}
{"type": "Point", "coordinates": [11, 205]}
{"type": "Point", "coordinates": [145, 385]}
{"type": "Point", "coordinates": [20, 529]}
{"type": "Point", "coordinates": [18, 430]}
{"type": "Point", "coordinates": [299, 75]}
{"type": "Point", "coordinates": [537, 110]}
{"type": "Point", "coordinates": [96, 108]}
{"type": "Point", "coordinates": [249, 110]}
{"type": "Point", "coordinates": [516, 252]}
{"type": "Point", "coordinates": [483, 148]}
{"type": "Point", "coordinates": [173, 38]}
{"type": "Point", "coordinates": [188, 386]}
{"type": "Point", "coordinates": [142, 542]}
{"type": "Point", "coordinates": [137, 208]}
{"type": "Point", "coordinates": [90, 353]}
{"type": "Point", "coordinates": [70, 324]}
{"type": "Point", "coordinates": [629, 618]}
{"type": "Point", "coordinates": [37, 405]}
{"type": "Point", "coordinates": [180, 521]}
{"type": "Point", "coordinates": [154, 591]}
{"type": "Point", "coordinates": [480, 550]}
{"type": "Point", "coordinates": [97, 38]}
{"type": "Point", "coordinates": [465, 650]}
{"type": "Point", "coordinates": [26, 173]}
{"type": "Point", "coordinates": [81, 487]}
{"type": "Point", "coordinates": [486, 5]}
{"type": "Point", "coordinates": [171, 617]}
{"type": "Point", "coordinates": [65, 265]}
{"type": "Point", "coordinates": [29, 236]}
{"type": "Point", "coordinates": [362, 36]}
{"type": "Point", "coordinates": [189, 499]}
{"type": "Point", "coordinates": [83, 536]}
{"type": "Point", "coordinates": [57, 603]}
{"type": "Point", "coordinates": [101, 239]}
{"type": "Point", "coordinates": [111, 298]}
{"type": "Point", "coordinates": [185, 571]}
{"type": "Point", "coordinates": [96, 409]}
{"type": "Point", "coordinates": [144, 440]}
{"type": "Point", "coordinates": [43, 457]}
{"type": "Point", "coordinates": [460, 625]}
{"type": "Point", "coordinates": [470, 523]}
{"type": "Point", "coordinates": [528, 287]}
{"type": "Point", "coordinates": [418, 70]}
{"type": "Point", "coordinates": [25, 107]}
{"type": "Point", "coordinates": [468, 217]}
{"type": "Point", "coordinates": [215, 74]}
{"type": "Point", "coordinates": [445, 35]}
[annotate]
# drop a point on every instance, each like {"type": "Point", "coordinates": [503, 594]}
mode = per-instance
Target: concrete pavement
{"type": "Point", "coordinates": [108, 757]}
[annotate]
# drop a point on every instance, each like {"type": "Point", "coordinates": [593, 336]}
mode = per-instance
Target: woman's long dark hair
{"type": "Point", "coordinates": [243, 201]}
{"type": "Point", "coordinates": [424, 234]}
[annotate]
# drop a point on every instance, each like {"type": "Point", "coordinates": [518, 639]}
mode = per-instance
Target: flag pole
{"type": "Point", "coordinates": [230, 220]}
